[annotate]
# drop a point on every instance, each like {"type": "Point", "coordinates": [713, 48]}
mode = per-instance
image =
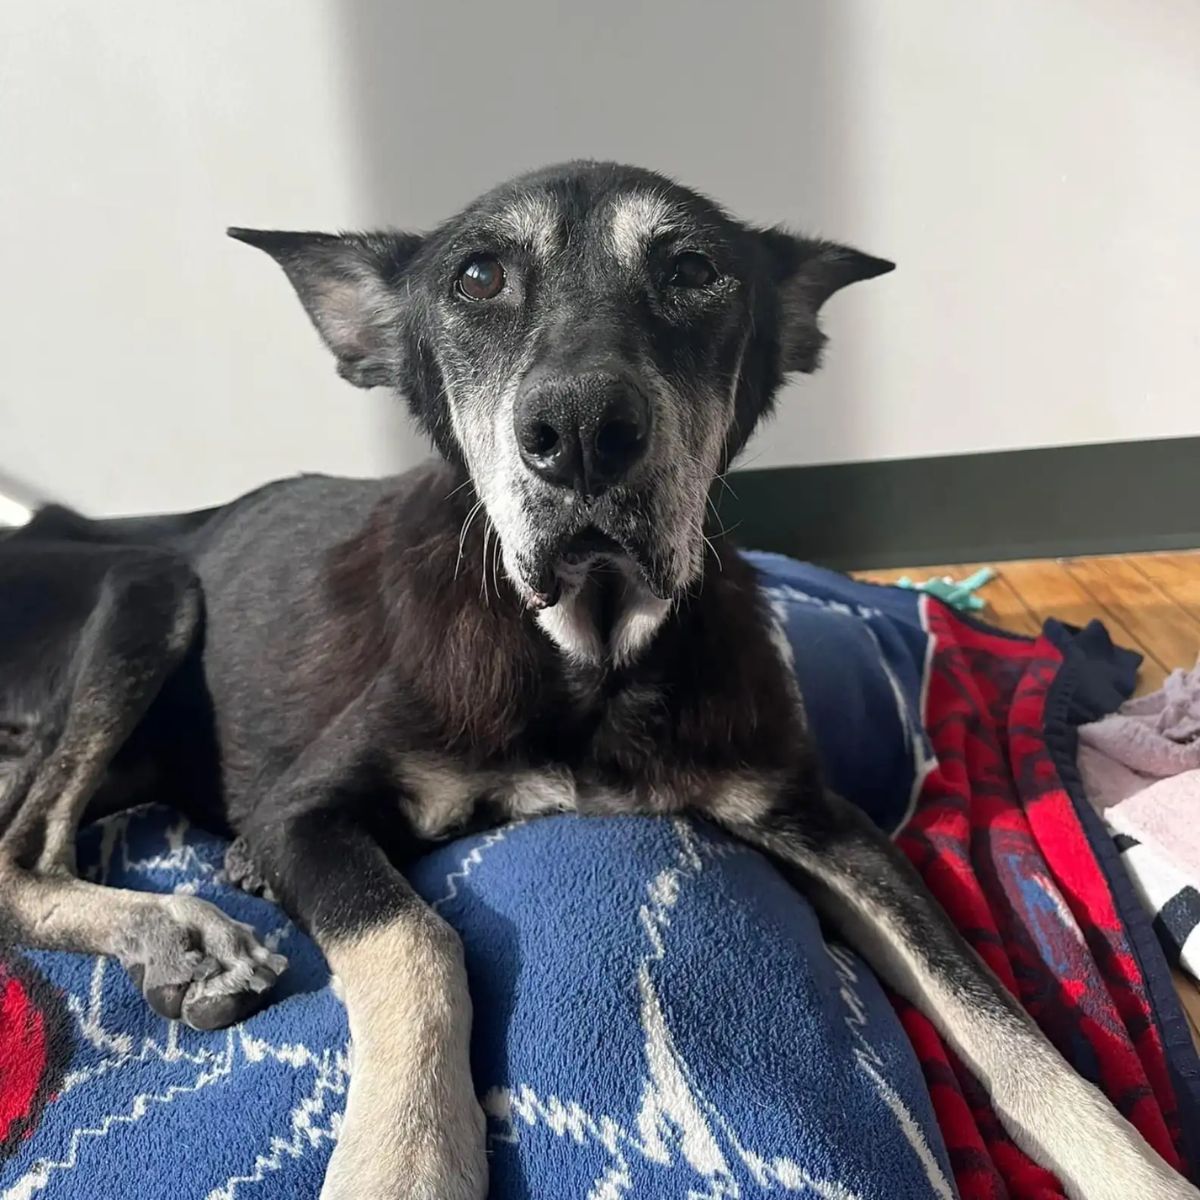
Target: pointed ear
{"type": "Point", "coordinates": [807, 272]}
{"type": "Point", "coordinates": [350, 285]}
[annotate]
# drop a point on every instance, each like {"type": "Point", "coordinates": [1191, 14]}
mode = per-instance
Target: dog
{"type": "Point", "coordinates": [341, 672]}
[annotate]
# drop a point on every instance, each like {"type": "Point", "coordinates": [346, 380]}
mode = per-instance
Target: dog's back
{"type": "Point", "coordinates": [58, 523]}
{"type": "Point", "coordinates": [262, 564]}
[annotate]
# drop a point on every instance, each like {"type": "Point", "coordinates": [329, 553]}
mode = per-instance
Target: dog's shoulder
{"type": "Point", "coordinates": [383, 587]}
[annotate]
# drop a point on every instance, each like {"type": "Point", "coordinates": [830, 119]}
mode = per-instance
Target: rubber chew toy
{"type": "Point", "coordinates": [960, 594]}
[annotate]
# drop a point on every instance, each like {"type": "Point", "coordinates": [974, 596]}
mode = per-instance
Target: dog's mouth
{"type": "Point", "coordinates": [588, 555]}
{"type": "Point", "coordinates": [590, 544]}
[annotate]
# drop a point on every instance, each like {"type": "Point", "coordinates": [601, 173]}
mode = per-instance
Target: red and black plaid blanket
{"type": "Point", "coordinates": [1004, 838]}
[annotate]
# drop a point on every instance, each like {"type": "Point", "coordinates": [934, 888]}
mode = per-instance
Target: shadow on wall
{"type": "Point", "coordinates": [453, 96]}
{"type": "Point", "coordinates": [17, 499]}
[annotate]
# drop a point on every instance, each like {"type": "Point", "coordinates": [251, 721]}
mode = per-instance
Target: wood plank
{"type": "Point", "coordinates": [1004, 607]}
{"type": "Point", "coordinates": [1167, 631]}
{"type": "Point", "coordinates": [890, 575]}
{"type": "Point", "coordinates": [1177, 574]}
{"type": "Point", "coordinates": [1027, 593]}
{"type": "Point", "coordinates": [1049, 590]}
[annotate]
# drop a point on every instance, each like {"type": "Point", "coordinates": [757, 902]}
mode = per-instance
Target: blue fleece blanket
{"type": "Point", "coordinates": [656, 1012]}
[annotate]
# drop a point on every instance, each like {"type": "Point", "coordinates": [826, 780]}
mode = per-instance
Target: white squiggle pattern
{"type": "Point", "coordinates": [470, 861]}
{"type": "Point", "coordinates": [676, 1123]}
{"type": "Point", "coordinates": [919, 778]}
{"type": "Point", "coordinates": [923, 758]}
{"type": "Point", "coordinates": [920, 753]}
{"type": "Point", "coordinates": [784, 592]}
{"type": "Point", "coordinates": [305, 1131]}
{"type": "Point", "coordinates": [199, 1068]}
{"type": "Point", "coordinates": [178, 856]}
{"type": "Point", "coordinates": [872, 1066]}
{"type": "Point", "coordinates": [43, 1172]}
{"type": "Point", "coordinates": [240, 1049]}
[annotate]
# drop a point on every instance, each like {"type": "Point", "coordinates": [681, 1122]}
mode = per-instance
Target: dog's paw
{"type": "Point", "coordinates": [242, 871]}
{"type": "Point", "coordinates": [197, 965]}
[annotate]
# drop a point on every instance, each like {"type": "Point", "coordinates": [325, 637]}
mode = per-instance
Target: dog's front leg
{"type": "Point", "coordinates": [413, 1129]}
{"type": "Point", "coordinates": [872, 895]}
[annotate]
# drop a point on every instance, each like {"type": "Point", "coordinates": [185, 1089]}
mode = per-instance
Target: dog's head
{"type": "Point", "coordinates": [594, 343]}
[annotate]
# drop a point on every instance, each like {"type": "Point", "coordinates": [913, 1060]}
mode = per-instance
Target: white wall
{"type": "Point", "coordinates": [1033, 165]}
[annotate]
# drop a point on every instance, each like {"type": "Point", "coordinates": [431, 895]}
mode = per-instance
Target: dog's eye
{"type": "Point", "coordinates": [691, 270]}
{"type": "Point", "coordinates": [482, 278]}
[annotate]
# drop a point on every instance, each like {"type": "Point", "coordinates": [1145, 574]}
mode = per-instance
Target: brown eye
{"type": "Point", "coordinates": [690, 270]}
{"type": "Point", "coordinates": [482, 278]}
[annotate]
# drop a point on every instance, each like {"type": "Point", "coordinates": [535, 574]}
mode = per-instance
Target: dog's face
{"type": "Point", "coordinates": [594, 343]}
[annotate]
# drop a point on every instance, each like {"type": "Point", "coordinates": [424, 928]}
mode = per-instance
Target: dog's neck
{"type": "Point", "coordinates": [608, 617]}
{"type": "Point", "coordinates": [435, 622]}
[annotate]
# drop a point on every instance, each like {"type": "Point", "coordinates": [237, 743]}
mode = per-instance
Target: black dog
{"type": "Point", "coordinates": [342, 672]}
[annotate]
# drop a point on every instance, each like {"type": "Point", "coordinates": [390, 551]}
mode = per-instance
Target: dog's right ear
{"type": "Point", "coordinates": [350, 285]}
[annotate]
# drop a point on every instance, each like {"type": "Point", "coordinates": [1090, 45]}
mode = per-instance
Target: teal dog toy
{"type": "Point", "coordinates": [960, 595]}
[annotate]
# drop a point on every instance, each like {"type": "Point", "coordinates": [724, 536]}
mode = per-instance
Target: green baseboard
{"type": "Point", "coordinates": [1117, 497]}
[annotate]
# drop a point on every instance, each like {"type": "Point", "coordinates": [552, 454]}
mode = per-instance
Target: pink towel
{"type": "Point", "coordinates": [1165, 816]}
{"type": "Point", "coordinates": [1151, 738]}
{"type": "Point", "coordinates": [1141, 769]}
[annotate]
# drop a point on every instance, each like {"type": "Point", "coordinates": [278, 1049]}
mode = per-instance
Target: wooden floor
{"type": "Point", "coordinates": [1149, 602]}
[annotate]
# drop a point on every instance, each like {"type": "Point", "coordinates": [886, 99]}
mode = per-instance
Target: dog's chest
{"type": "Point", "coordinates": [707, 722]}
{"type": "Point", "coordinates": [441, 797]}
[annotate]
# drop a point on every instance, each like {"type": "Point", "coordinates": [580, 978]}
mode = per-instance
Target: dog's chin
{"type": "Point", "coordinates": [595, 594]}
{"type": "Point", "coordinates": [587, 556]}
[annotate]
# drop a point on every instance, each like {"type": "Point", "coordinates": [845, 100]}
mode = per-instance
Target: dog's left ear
{"type": "Point", "coordinates": [807, 272]}
{"type": "Point", "coordinates": [349, 285]}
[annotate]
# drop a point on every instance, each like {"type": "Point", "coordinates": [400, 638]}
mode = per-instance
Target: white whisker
{"type": "Point", "coordinates": [462, 534]}
{"type": "Point", "coordinates": [483, 587]}
{"type": "Point", "coordinates": [496, 548]}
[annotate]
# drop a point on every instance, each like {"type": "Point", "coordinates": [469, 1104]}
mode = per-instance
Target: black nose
{"type": "Point", "coordinates": [582, 433]}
